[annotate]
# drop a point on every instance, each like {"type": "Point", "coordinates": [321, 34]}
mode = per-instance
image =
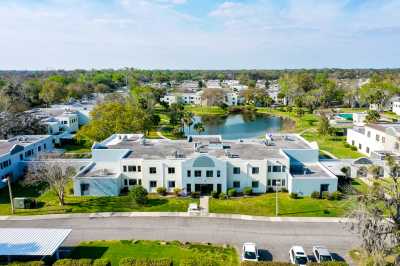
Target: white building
{"type": "Point", "coordinates": [213, 84]}
{"type": "Point", "coordinates": [184, 98]}
{"type": "Point", "coordinates": [396, 107]}
{"type": "Point", "coordinates": [189, 85]}
{"type": "Point", "coordinates": [376, 139]}
{"type": "Point", "coordinates": [204, 164]}
{"type": "Point", "coordinates": [230, 82]}
{"type": "Point", "coordinates": [15, 151]}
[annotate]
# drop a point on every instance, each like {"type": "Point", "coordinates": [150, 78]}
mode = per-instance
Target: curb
{"type": "Point", "coordinates": [176, 214]}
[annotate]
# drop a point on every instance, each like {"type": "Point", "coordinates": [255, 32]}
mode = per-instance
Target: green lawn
{"type": "Point", "coordinates": [48, 202]}
{"type": "Point", "coordinates": [115, 250]}
{"type": "Point", "coordinates": [205, 110]}
{"type": "Point", "coordinates": [264, 205]}
{"type": "Point", "coordinates": [307, 121]}
{"type": "Point", "coordinates": [332, 144]}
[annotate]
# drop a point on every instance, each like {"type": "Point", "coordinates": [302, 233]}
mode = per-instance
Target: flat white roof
{"type": "Point", "coordinates": [31, 241]}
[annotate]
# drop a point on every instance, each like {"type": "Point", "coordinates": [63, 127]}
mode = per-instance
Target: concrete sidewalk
{"type": "Point", "coordinates": [176, 214]}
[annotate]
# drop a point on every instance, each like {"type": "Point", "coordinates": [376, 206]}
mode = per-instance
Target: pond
{"type": "Point", "coordinates": [239, 126]}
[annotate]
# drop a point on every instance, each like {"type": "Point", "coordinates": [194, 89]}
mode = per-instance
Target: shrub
{"type": "Point", "coordinates": [247, 191]}
{"type": "Point", "coordinates": [315, 195]}
{"type": "Point", "coordinates": [138, 194]}
{"type": "Point", "coordinates": [270, 190]}
{"type": "Point", "coordinates": [102, 262]}
{"type": "Point", "coordinates": [195, 195]}
{"type": "Point", "coordinates": [353, 148]}
{"type": "Point", "coordinates": [347, 145]}
{"type": "Point", "coordinates": [284, 190]}
{"type": "Point", "coordinates": [232, 192]}
{"type": "Point", "coordinates": [294, 195]}
{"type": "Point", "coordinates": [177, 191]}
{"type": "Point", "coordinates": [145, 262]}
{"type": "Point", "coordinates": [337, 195]}
{"type": "Point", "coordinates": [222, 196]}
{"type": "Point", "coordinates": [265, 263]}
{"type": "Point", "coordinates": [70, 262]}
{"type": "Point", "coordinates": [162, 191]}
{"type": "Point", "coordinates": [328, 263]}
{"type": "Point", "coordinates": [28, 263]}
{"type": "Point", "coordinates": [214, 194]}
{"type": "Point", "coordinates": [325, 195]}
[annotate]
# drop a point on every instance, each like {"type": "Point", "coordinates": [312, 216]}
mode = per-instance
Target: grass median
{"type": "Point", "coordinates": [177, 251]}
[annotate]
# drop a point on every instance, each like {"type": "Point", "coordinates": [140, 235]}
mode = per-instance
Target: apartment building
{"type": "Point", "coordinates": [213, 84]}
{"type": "Point", "coordinates": [376, 139]}
{"type": "Point", "coordinates": [203, 164]}
{"type": "Point", "coordinates": [16, 150]}
{"type": "Point", "coordinates": [184, 98]}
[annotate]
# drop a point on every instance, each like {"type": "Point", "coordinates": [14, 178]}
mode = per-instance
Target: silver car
{"type": "Point", "coordinates": [322, 254]}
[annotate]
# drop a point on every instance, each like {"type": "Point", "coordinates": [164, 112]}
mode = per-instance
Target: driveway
{"type": "Point", "coordinates": [273, 238]}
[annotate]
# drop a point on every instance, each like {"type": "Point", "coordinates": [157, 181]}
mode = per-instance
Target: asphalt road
{"type": "Point", "coordinates": [273, 238]}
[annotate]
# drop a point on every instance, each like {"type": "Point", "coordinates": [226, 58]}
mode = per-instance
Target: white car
{"type": "Point", "coordinates": [250, 252]}
{"type": "Point", "coordinates": [322, 254]}
{"type": "Point", "coordinates": [298, 256]}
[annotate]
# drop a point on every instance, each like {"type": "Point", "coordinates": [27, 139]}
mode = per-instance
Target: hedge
{"type": "Point", "coordinates": [70, 262]}
{"type": "Point", "coordinates": [102, 262]}
{"type": "Point", "coordinates": [328, 263]}
{"type": "Point", "coordinates": [265, 263]}
{"type": "Point", "coordinates": [144, 262]}
{"type": "Point", "coordinates": [198, 262]}
{"type": "Point", "coordinates": [28, 263]}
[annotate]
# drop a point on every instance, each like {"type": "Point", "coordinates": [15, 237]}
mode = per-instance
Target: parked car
{"type": "Point", "coordinates": [193, 208]}
{"type": "Point", "coordinates": [322, 254]}
{"type": "Point", "coordinates": [298, 256]}
{"type": "Point", "coordinates": [250, 252]}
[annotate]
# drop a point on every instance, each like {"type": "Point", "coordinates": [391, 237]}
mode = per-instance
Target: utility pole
{"type": "Point", "coordinates": [8, 180]}
{"type": "Point", "coordinates": [277, 185]}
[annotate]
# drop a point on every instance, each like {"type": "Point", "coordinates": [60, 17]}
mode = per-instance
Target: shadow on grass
{"type": "Point", "coordinates": [88, 252]}
{"type": "Point", "coordinates": [19, 190]}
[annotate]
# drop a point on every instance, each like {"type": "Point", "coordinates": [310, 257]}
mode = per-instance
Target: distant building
{"type": "Point", "coordinates": [204, 163]}
{"type": "Point", "coordinates": [396, 107]}
{"type": "Point", "coordinates": [376, 139]}
{"type": "Point", "coordinates": [189, 86]}
{"type": "Point", "coordinates": [16, 150]}
{"type": "Point", "coordinates": [184, 98]}
{"type": "Point", "coordinates": [213, 84]}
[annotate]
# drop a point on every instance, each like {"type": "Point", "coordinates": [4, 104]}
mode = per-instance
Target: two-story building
{"type": "Point", "coordinates": [16, 150]}
{"type": "Point", "coordinates": [204, 164]}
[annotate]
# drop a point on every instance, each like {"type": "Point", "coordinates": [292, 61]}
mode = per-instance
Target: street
{"type": "Point", "coordinates": [273, 238]}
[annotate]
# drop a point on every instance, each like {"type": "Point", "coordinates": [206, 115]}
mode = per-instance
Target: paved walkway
{"type": "Point", "coordinates": [204, 201]}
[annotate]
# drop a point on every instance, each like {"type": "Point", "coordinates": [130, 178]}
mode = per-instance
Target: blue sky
{"type": "Point", "coordinates": [199, 34]}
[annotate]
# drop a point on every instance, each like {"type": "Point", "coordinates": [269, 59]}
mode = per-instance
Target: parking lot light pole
{"type": "Point", "coordinates": [277, 185]}
{"type": "Point", "coordinates": [8, 180]}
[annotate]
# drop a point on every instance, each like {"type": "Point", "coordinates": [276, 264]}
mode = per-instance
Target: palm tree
{"type": "Point", "coordinates": [199, 127]}
{"type": "Point", "coordinates": [187, 119]}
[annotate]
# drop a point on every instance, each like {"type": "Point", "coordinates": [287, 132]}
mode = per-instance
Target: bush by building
{"type": "Point", "coordinates": [294, 195]}
{"type": "Point", "coordinates": [215, 194]}
{"type": "Point", "coordinates": [195, 194]}
{"type": "Point", "coordinates": [28, 263]}
{"type": "Point", "coordinates": [222, 196]}
{"type": "Point", "coordinates": [162, 191]}
{"type": "Point", "coordinates": [247, 191]}
{"type": "Point", "coordinates": [71, 262]}
{"type": "Point", "coordinates": [102, 262]}
{"type": "Point", "coordinates": [144, 262]}
{"type": "Point", "coordinates": [177, 191]}
{"type": "Point", "coordinates": [315, 195]}
{"type": "Point", "coordinates": [138, 194]}
{"type": "Point", "coordinates": [232, 192]}
{"type": "Point", "coordinates": [325, 195]}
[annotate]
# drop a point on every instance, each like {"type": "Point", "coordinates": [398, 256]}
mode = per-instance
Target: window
{"type": "Point", "coordinates": [124, 167]}
{"type": "Point", "coordinates": [377, 137]}
{"type": "Point", "coordinates": [283, 182]}
{"type": "Point", "coordinates": [45, 146]}
{"type": "Point", "coordinates": [171, 184]}
{"type": "Point", "coordinates": [21, 157]}
{"type": "Point", "coordinates": [276, 168]}
{"type": "Point", "coordinates": [153, 184]}
{"type": "Point", "coordinates": [188, 188]}
{"type": "Point", "coordinates": [353, 143]}
{"type": "Point", "coordinates": [360, 146]}
{"type": "Point", "coordinates": [236, 170]}
{"type": "Point", "coordinates": [131, 168]}
{"type": "Point", "coordinates": [254, 184]}
{"type": "Point", "coordinates": [269, 168]}
{"type": "Point", "coordinates": [39, 148]}
{"type": "Point", "coordinates": [255, 170]}
{"type": "Point", "coordinates": [383, 139]}
{"type": "Point", "coordinates": [284, 168]}
{"type": "Point", "coordinates": [139, 168]}
{"type": "Point", "coordinates": [209, 173]}
{"type": "Point", "coordinates": [197, 173]}
{"type": "Point", "coordinates": [132, 182]}
{"type": "Point", "coordinates": [218, 173]}
{"type": "Point", "coordinates": [84, 189]}
{"type": "Point", "coordinates": [171, 170]}
{"type": "Point", "coordinates": [269, 182]}
{"type": "Point", "coordinates": [189, 173]}
{"type": "Point", "coordinates": [367, 149]}
{"type": "Point", "coordinates": [125, 182]}
{"type": "Point", "coordinates": [140, 182]}
{"type": "Point", "coordinates": [236, 184]}
{"type": "Point", "coordinates": [369, 134]}
{"type": "Point", "coordinates": [152, 170]}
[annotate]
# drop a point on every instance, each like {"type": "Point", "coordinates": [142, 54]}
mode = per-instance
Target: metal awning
{"type": "Point", "coordinates": [31, 241]}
